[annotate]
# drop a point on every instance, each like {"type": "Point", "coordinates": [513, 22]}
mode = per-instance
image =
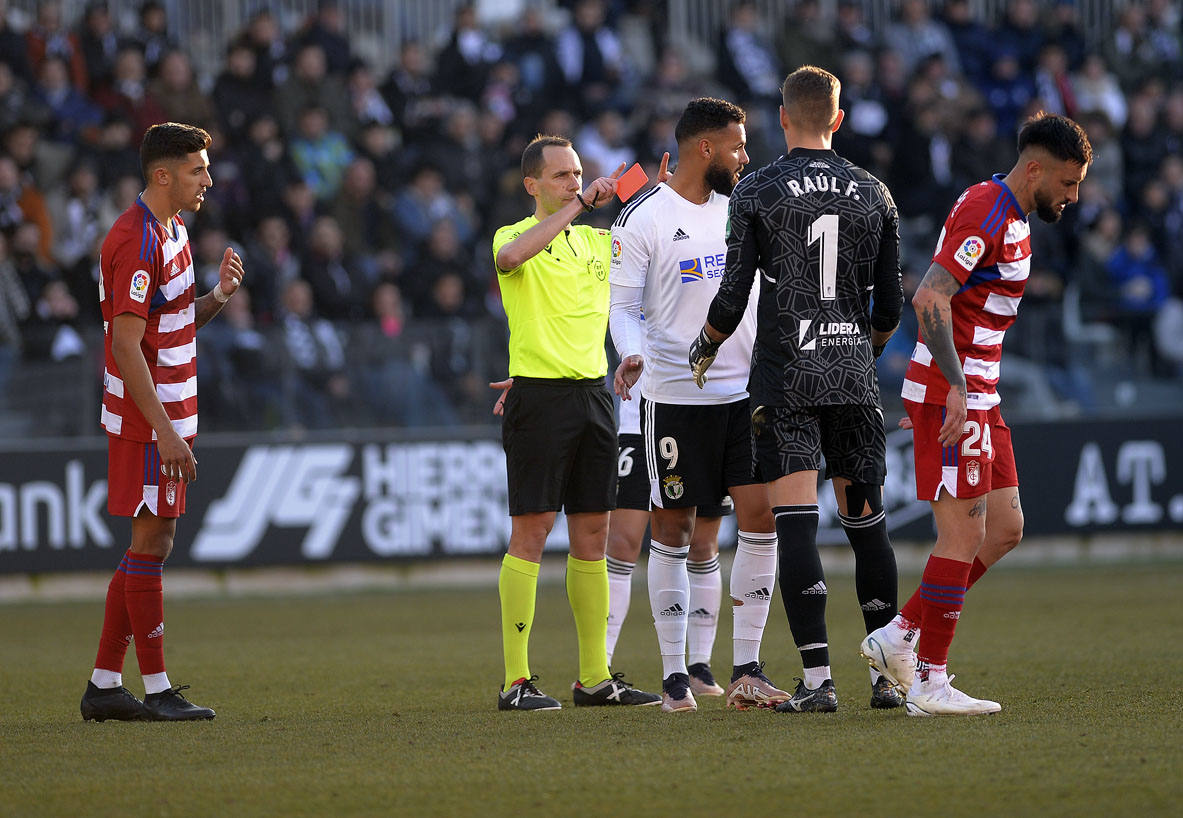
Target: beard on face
{"type": "Point", "coordinates": [1044, 208]}
{"type": "Point", "coordinates": [720, 179]}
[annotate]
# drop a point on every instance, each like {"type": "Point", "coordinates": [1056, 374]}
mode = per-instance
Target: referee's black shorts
{"type": "Point", "coordinates": [560, 446]}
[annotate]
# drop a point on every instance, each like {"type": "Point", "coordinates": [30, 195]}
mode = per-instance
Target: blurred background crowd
{"type": "Point", "coordinates": [362, 181]}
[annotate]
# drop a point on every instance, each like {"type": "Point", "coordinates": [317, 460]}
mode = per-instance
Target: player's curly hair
{"type": "Point", "coordinates": [1058, 135]}
{"type": "Point", "coordinates": [532, 156]}
{"type": "Point", "coordinates": [170, 141]}
{"type": "Point", "coordinates": [704, 115]}
{"type": "Point", "coordinates": [810, 97]}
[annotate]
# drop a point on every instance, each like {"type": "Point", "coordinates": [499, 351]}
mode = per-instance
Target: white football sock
{"type": "Point", "coordinates": [814, 676]}
{"type": "Point", "coordinates": [620, 591]}
{"type": "Point", "coordinates": [156, 683]}
{"type": "Point", "coordinates": [669, 598]}
{"type": "Point", "coordinates": [106, 679]}
{"type": "Point", "coordinates": [706, 595]}
{"type": "Point", "coordinates": [753, 577]}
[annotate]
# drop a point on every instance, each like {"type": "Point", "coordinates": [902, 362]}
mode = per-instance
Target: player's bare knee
{"type": "Point", "coordinates": [703, 551]}
{"type": "Point", "coordinates": [672, 527]}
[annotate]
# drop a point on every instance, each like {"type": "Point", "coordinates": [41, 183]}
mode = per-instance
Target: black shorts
{"type": "Point", "coordinates": [559, 438]}
{"type": "Point", "coordinates": [695, 453]}
{"type": "Point", "coordinates": [632, 484]}
{"type": "Point", "coordinates": [852, 439]}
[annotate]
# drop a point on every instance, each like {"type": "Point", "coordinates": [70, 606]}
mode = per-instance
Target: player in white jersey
{"type": "Point", "coordinates": [668, 252]}
{"type": "Point", "coordinates": [626, 532]}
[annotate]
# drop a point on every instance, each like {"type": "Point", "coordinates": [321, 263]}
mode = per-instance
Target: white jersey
{"type": "Point", "coordinates": [630, 416]}
{"type": "Point", "coordinates": [676, 251]}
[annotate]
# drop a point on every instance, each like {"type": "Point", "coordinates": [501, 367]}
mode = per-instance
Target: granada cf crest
{"type": "Point", "coordinates": [672, 486]}
{"type": "Point", "coordinates": [170, 493]}
{"type": "Point", "coordinates": [973, 472]}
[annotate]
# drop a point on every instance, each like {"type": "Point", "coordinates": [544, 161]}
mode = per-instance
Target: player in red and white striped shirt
{"type": "Point", "coordinates": [965, 465]}
{"type": "Point", "coordinates": [150, 319]}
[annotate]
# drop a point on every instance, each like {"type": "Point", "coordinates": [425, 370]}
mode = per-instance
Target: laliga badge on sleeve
{"type": "Point", "coordinates": [631, 181]}
{"type": "Point", "coordinates": [139, 286]}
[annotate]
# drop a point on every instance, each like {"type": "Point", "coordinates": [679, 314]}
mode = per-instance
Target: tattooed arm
{"type": "Point", "coordinates": [935, 313]}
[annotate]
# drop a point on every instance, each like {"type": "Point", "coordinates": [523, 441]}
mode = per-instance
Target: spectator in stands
{"type": "Point", "coordinates": [120, 194]}
{"type": "Point", "coordinates": [152, 34]}
{"type": "Point", "coordinates": [922, 169]}
{"type": "Point", "coordinates": [443, 253]}
{"type": "Point", "coordinates": [326, 28]}
{"type": "Point", "coordinates": [319, 153]}
{"type": "Point", "coordinates": [267, 168]}
{"type": "Point", "coordinates": [273, 265]}
{"type": "Point", "coordinates": [82, 277]}
{"type": "Point", "coordinates": [593, 62]}
{"type": "Point", "coordinates": [52, 333]}
{"type": "Point", "coordinates": [864, 138]}
{"type": "Point", "coordinates": [21, 204]}
{"type": "Point", "coordinates": [17, 104]}
{"type": "Point", "coordinates": [917, 35]}
{"type": "Point", "coordinates": [239, 369]}
{"type": "Point", "coordinates": [1143, 146]}
{"type": "Point", "coordinates": [408, 91]}
{"type": "Point", "coordinates": [532, 49]}
{"type": "Point", "coordinates": [368, 104]}
{"type": "Point", "coordinates": [1140, 281]}
{"type": "Point", "coordinates": [49, 37]}
{"type": "Point", "coordinates": [1096, 89]}
{"type": "Point", "coordinates": [807, 39]}
{"type": "Point", "coordinates": [367, 229]}
{"type": "Point", "coordinates": [99, 43]}
{"type": "Point", "coordinates": [463, 65]}
{"type": "Point", "coordinates": [262, 35]}
{"type": "Point", "coordinates": [14, 52]}
{"type": "Point", "coordinates": [604, 144]}
{"type": "Point", "coordinates": [394, 380]}
{"type": "Point", "coordinates": [425, 201]}
{"type": "Point", "coordinates": [176, 91]}
{"type": "Point", "coordinates": [1021, 31]}
{"type": "Point", "coordinates": [1053, 83]}
{"type": "Point", "coordinates": [379, 144]}
{"type": "Point", "coordinates": [318, 385]}
{"type": "Point", "coordinates": [310, 85]}
{"type": "Point", "coordinates": [128, 95]}
{"type": "Point", "coordinates": [75, 117]}
{"type": "Point", "coordinates": [1064, 29]}
{"type": "Point", "coordinates": [340, 285]}
{"type": "Point", "coordinates": [747, 64]}
{"type": "Point", "coordinates": [76, 211]}
{"type": "Point", "coordinates": [1173, 119]}
{"type": "Point", "coordinates": [980, 151]}
{"type": "Point", "coordinates": [301, 210]}
{"type": "Point", "coordinates": [1008, 90]}
{"type": "Point", "coordinates": [34, 268]}
{"type": "Point", "coordinates": [116, 154]}
{"type": "Point", "coordinates": [14, 310]}
{"type": "Point", "coordinates": [238, 96]}
{"type": "Point", "coordinates": [853, 33]}
{"type": "Point", "coordinates": [971, 39]}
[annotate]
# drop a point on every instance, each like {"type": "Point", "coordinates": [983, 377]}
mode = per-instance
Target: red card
{"type": "Point", "coordinates": [631, 181]}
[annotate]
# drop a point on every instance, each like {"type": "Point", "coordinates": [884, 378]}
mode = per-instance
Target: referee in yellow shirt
{"type": "Point", "coordinates": [559, 430]}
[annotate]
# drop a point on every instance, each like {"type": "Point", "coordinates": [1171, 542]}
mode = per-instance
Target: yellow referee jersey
{"type": "Point", "coordinates": [557, 303]}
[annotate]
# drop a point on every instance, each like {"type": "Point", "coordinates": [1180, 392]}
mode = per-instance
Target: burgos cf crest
{"type": "Point", "coordinates": [970, 252]}
{"type": "Point", "coordinates": [691, 270]}
{"type": "Point", "coordinates": [672, 486]}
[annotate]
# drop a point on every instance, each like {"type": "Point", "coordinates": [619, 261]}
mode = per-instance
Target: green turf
{"type": "Point", "coordinates": [384, 704]}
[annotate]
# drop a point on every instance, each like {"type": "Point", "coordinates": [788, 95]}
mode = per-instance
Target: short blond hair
{"type": "Point", "coordinates": [810, 96]}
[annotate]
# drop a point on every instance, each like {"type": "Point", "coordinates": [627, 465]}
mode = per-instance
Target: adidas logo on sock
{"type": "Point", "coordinates": [700, 612]}
{"type": "Point", "coordinates": [815, 588]}
{"type": "Point", "coordinates": [674, 610]}
{"type": "Point", "coordinates": [952, 614]}
{"type": "Point", "coordinates": [157, 632]}
{"type": "Point", "coordinates": [761, 594]}
{"type": "Point", "coordinates": [875, 605]}
{"type": "Point", "coordinates": [680, 235]}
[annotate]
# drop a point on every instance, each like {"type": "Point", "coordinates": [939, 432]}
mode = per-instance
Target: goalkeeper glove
{"type": "Point", "coordinates": [702, 355]}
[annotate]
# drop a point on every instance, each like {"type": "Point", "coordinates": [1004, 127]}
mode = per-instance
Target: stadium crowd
{"type": "Point", "coordinates": [363, 203]}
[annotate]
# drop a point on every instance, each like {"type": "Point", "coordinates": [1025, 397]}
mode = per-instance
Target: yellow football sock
{"type": "Point", "coordinates": [587, 591]}
{"type": "Point", "coordinates": [517, 586]}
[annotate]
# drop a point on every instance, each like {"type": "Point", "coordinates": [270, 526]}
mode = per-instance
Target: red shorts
{"type": "Point", "coordinates": [134, 481]}
{"type": "Point", "coordinates": [983, 460]}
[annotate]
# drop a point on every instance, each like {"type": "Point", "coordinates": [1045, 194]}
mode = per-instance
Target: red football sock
{"type": "Point", "coordinates": [145, 607]}
{"type": "Point", "coordinates": [975, 572]}
{"type": "Point", "coordinates": [942, 593]}
{"type": "Point", "coordinates": [117, 631]}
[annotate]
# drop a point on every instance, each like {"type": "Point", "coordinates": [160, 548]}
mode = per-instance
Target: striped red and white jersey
{"type": "Point", "coordinates": [146, 269]}
{"type": "Point", "coordinates": [986, 245]}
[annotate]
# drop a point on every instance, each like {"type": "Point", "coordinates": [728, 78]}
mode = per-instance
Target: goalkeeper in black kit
{"type": "Point", "coordinates": [823, 235]}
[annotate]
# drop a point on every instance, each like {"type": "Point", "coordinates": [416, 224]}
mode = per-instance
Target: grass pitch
{"type": "Point", "coordinates": [384, 704]}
